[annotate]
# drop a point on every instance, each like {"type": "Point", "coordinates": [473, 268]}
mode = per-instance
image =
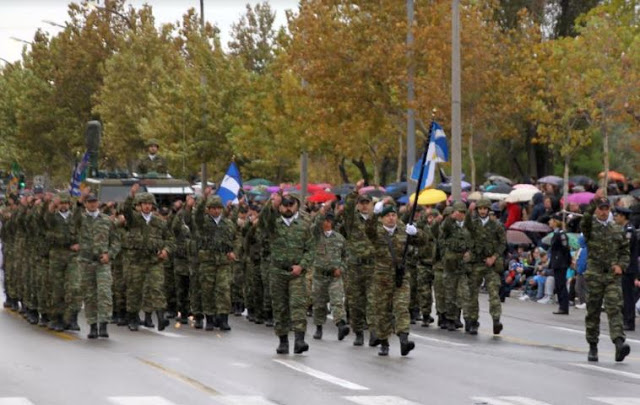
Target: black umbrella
{"type": "Point", "coordinates": [581, 180]}
{"type": "Point", "coordinates": [343, 189]}
{"type": "Point", "coordinates": [635, 193]}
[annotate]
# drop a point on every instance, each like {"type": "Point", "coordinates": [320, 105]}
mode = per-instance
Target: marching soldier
{"type": "Point", "coordinates": [438, 269]}
{"type": "Point", "coordinates": [182, 257]}
{"type": "Point", "coordinates": [608, 256]}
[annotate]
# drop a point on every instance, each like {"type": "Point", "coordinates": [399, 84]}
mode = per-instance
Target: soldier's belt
{"type": "Point", "coordinates": [365, 262]}
{"type": "Point", "coordinates": [323, 272]}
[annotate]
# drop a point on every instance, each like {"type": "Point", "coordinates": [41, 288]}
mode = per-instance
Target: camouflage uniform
{"type": "Point", "coordinates": [8, 235]}
{"type": "Point", "coordinates": [438, 269]}
{"type": "Point", "coordinates": [330, 254]}
{"type": "Point", "coordinates": [426, 275]}
{"type": "Point", "coordinates": [255, 287]}
{"type": "Point", "coordinates": [390, 301]}
{"type": "Point", "coordinates": [182, 257]}
{"type": "Point", "coordinates": [215, 242]}
{"type": "Point", "coordinates": [63, 270]}
{"type": "Point", "coordinates": [488, 238]}
{"type": "Point", "coordinates": [456, 241]}
{"type": "Point", "coordinates": [268, 215]}
{"type": "Point", "coordinates": [119, 274]}
{"type": "Point", "coordinates": [359, 273]}
{"type": "Point", "coordinates": [145, 270]}
{"type": "Point", "coordinates": [238, 273]}
{"type": "Point", "coordinates": [96, 235]}
{"type": "Point", "coordinates": [607, 246]}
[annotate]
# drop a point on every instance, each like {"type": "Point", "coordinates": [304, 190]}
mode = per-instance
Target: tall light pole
{"type": "Point", "coordinates": [203, 84]}
{"type": "Point", "coordinates": [456, 113]}
{"type": "Point", "coordinates": [411, 115]}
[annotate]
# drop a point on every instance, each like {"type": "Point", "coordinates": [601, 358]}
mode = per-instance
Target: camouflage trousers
{"type": "Point", "coordinates": [238, 282]}
{"type": "Point", "coordinates": [195, 293]}
{"type": "Point", "coordinates": [43, 284]}
{"type": "Point", "coordinates": [267, 301]}
{"type": "Point", "coordinates": [145, 283]}
{"type": "Point", "coordinates": [182, 276]}
{"type": "Point", "coordinates": [414, 303]}
{"type": "Point", "coordinates": [18, 266]}
{"type": "Point", "coordinates": [9, 272]}
{"type": "Point", "coordinates": [29, 286]}
{"type": "Point", "coordinates": [390, 302]}
{"type": "Point", "coordinates": [119, 284]}
{"type": "Point", "coordinates": [491, 276]}
{"type": "Point", "coordinates": [64, 282]}
{"type": "Point", "coordinates": [215, 284]}
{"type": "Point", "coordinates": [360, 294]}
{"type": "Point", "coordinates": [456, 285]}
{"type": "Point", "coordinates": [438, 288]}
{"type": "Point", "coordinates": [289, 298]}
{"type": "Point", "coordinates": [603, 287]}
{"type": "Point", "coordinates": [170, 285]}
{"type": "Point", "coordinates": [255, 289]}
{"type": "Point", "coordinates": [96, 287]}
{"type": "Point", "coordinates": [327, 289]}
{"type": "Point", "coordinates": [425, 288]}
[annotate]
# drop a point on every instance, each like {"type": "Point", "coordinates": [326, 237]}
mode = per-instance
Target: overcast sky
{"type": "Point", "coordinates": [21, 18]}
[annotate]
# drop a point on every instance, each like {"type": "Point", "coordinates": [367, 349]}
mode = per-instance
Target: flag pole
{"type": "Point", "coordinates": [423, 160]}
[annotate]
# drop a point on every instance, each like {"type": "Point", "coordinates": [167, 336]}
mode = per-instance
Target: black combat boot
{"type": "Point", "coordinates": [318, 334]}
{"type": "Point", "coordinates": [102, 330]}
{"type": "Point", "coordinates": [162, 321]}
{"type": "Point", "coordinates": [413, 316]}
{"type": "Point", "coordinates": [442, 321]}
{"type": "Point", "coordinates": [198, 322]}
{"type": "Point", "coordinates": [406, 345]}
{"type": "Point", "coordinates": [451, 326]}
{"type": "Point", "coordinates": [210, 323]}
{"type": "Point", "coordinates": [384, 348]}
{"type": "Point", "coordinates": [184, 319]}
{"type": "Point", "coordinates": [593, 352]}
{"type": "Point", "coordinates": [134, 322]}
{"type": "Point", "coordinates": [458, 323]}
{"type": "Point", "coordinates": [223, 322]}
{"type": "Point", "coordinates": [359, 340]}
{"type": "Point", "coordinates": [497, 327]}
{"type": "Point", "coordinates": [122, 318]}
{"type": "Point", "coordinates": [283, 347]}
{"type": "Point", "coordinates": [148, 321]}
{"type": "Point", "coordinates": [473, 328]}
{"type": "Point", "coordinates": [300, 346]}
{"type": "Point", "coordinates": [44, 320]}
{"type": "Point", "coordinates": [73, 322]}
{"type": "Point", "coordinates": [58, 323]}
{"type": "Point", "coordinates": [93, 333]}
{"type": "Point", "coordinates": [622, 349]}
{"type": "Point", "coordinates": [427, 320]}
{"type": "Point", "coordinates": [467, 325]}
{"type": "Point", "coordinates": [343, 329]}
{"type": "Point", "coordinates": [115, 317]}
{"type": "Point", "coordinates": [373, 339]}
{"type": "Point", "coordinates": [237, 309]}
{"type": "Point", "coordinates": [33, 317]}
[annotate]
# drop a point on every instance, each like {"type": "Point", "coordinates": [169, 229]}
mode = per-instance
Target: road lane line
{"type": "Point", "coordinates": [617, 400]}
{"type": "Point", "coordinates": [609, 370]}
{"type": "Point", "coordinates": [524, 401]}
{"type": "Point", "coordinates": [581, 332]}
{"type": "Point", "coordinates": [140, 401]}
{"type": "Point", "coordinates": [321, 375]}
{"type": "Point", "coordinates": [243, 400]}
{"type": "Point", "coordinates": [181, 377]}
{"type": "Point", "coordinates": [15, 401]}
{"type": "Point", "coordinates": [379, 400]}
{"type": "Point", "coordinates": [430, 339]}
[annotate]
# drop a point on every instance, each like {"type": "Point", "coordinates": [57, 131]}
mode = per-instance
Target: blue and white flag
{"type": "Point", "coordinates": [437, 152]}
{"type": "Point", "coordinates": [79, 174]}
{"type": "Point", "coordinates": [231, 185]}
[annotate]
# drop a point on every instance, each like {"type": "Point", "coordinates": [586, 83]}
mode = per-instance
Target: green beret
{"type": "Point", "coordinates": [64, 198]}
{"type": "Point", "coordinates": [483, 203]}
{"type": "Point", "coordinates": [387, 209]}
{"type": "Point", "coordinates": [145, 198]}
{"type": "Point", "coordinates": [447, 211]}
{"type": "Point", "coordinates": [153, 141]}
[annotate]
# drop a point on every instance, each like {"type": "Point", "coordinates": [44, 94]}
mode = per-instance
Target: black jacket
{"type": "Point", "coordinates": [559, 251]}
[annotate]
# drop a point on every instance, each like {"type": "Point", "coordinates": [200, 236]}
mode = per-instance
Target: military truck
{"type": "Point", "coordinates": [165, 189]}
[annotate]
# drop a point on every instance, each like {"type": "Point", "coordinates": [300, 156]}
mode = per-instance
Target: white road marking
{"type": "Point", "coordinates": [609, 370]}
{"type": "Point", "coordinates": [15, 401]}
{"type": "Point", "coordinates": [507, 401]}
{"type": "Point", "coordinates": [321, 375]}
{"type": "Point", "coordinates": [380, 400]}
{"type": "Point", "coordinates": [243, 400]}
{"type": "Point", "coordinates": [430, 339]}
{"type": "Point", "coordinates": [617, 400]}
{"type": "Point", "coordinates": [162, 333]}
{"type": "Point", "coordinates": [140, 401]}
{"type": "Point", "coordinates": [581, 332]}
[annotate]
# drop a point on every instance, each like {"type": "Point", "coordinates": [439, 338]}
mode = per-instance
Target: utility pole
{"type": "Point", "coordinates": [456, 114]}
{"type": "Point", "coordinates": [203, 85]}
{"type": "Point", "coordinates": [411, 117]}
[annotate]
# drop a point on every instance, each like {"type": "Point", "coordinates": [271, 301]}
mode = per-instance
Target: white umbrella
{"type": "Point", "coordinates": [495, 196]}
{"type": "Point", "coordinates": [521, 195]}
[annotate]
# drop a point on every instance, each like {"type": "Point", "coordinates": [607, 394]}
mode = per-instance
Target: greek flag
{"type": "Point", "coordinates": [231, 185]}
{"type": "Point", "coordinates": [79, 174]}
{"type": "Point", "coordinates": [437, 152]}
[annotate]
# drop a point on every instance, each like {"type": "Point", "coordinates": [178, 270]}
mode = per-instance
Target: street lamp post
{"type": "Point", "coordinates": [411, 117]}
{"type": "Point", "coordinates": [456, 113]}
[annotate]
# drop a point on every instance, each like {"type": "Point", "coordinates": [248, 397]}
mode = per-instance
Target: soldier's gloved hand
{"type": "Point", "coordinates": [377, 209]}
{"type": "Point", "coordinates": [411, 229]}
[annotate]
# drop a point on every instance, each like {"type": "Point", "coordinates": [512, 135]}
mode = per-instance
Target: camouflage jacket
{"type": "Point", "coordinates": [330, 252]}
{"type": "Point", "coordinates": [158, 165]}
{"type": "Point", "coordinates": [184, 242]}
{"type": "Point", "coordinates": [146, 238]}
{"type": "Point", "coordinates": [96, 236]}
{"type": "Point", "coordinates": [61, 232]}
{"type": "Point", "coordinates": [606, 243]}
{"type": "Point", "coordinates": [354, 230]}
{"type": "Point", "coordinates": [214, 239]}
{"type": "Point", "coordinates": [488, 239]}
{"type": "Point", "coordinates": [455, 239]}
{"type": "Point", "coordinates": [379, 237]}
{"type": "Point", "coordinates": [290, 244]}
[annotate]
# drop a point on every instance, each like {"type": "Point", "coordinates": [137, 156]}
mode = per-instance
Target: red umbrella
{"type": "Point", "coordinates": [530, 226]}
{"type": "Point", "coordinates": [321, 197]}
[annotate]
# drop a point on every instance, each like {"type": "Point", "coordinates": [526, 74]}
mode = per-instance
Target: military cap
{"type": "Point", "coordinates": [387, 209]}
{"type": "Point", "coordinates": [623, 211]}
{"type": "Point", "coordinates": [330, 216]}
{"type": "Point", "coordinates": [91, 197]}
{"type": "Point", "coordinates": [434, 212]}
{"type": "Point", "coordinates": [364, 198]}
{"type": "Point", "coordinates": [602, 202]}
{"type": "Point", "coordinates": [145, 198]}
{"type": "Point", "coordinates": [447, 211]}
{"type": "Point", "coordinates": [483, 203]}
{"type": "Point", "coordinates": [292, 194]}
{"type": "Point", "coordinates": [460, 206]}
{"type": "Point", "coordinates": [153, 141]}
{"type": "Point", "coordinates": [64, 198]}
{"type": "Point", "coordinates": [214, 202]}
